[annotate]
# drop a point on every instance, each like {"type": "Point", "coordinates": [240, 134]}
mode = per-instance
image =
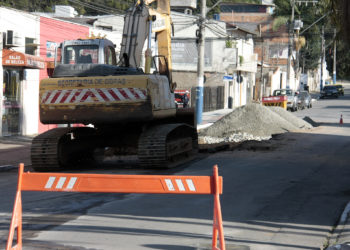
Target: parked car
{"type": "Point", "coordinates": [329, 91]}
{"type": "Point", "coordinates": [304, 100]}
{"type": "Point", "coordinates": [178, 100]}
{"type": "Point", "coordinates": [292, 98]}
{"type": "Point", "coordinates": [340, 89]}
{"type": "Point", "coordinates": [182, 98]}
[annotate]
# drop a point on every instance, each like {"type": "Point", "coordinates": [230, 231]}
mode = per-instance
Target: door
{"type": "Point", "coordinates": [12, 105]}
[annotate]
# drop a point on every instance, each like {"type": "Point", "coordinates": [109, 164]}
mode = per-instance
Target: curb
{"type": "Point", "coordinates": [5, 168]}
{"type": "Point", "coordinates": [339, 229]}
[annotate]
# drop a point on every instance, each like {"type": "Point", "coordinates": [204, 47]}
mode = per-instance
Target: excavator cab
{"type": "Point", "coordinates": [86, 51]}
{"type": "Point", "coordinates": [89, 57]}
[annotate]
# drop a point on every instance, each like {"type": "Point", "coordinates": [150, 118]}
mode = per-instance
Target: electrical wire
{"type": "Point", "coordinates": [103, 10]}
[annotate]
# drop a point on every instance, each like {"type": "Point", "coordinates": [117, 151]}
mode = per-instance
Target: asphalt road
{"type": "Point", "coordinates": [286, 194]}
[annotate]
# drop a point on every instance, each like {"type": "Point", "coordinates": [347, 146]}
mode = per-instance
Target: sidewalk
{"type": "Point", "coordinates": [208, 118]}
{"type": "Point", "coordinates": [340, 238]}
{"type": "Point", "coordinates": [13, 150]}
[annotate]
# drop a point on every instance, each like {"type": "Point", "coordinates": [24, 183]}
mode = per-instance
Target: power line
{"type": "Point", "coordinates": [103, 10]}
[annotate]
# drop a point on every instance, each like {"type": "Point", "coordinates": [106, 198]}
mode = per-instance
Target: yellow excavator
{"type": "Point", "coordinates": [123, 107]}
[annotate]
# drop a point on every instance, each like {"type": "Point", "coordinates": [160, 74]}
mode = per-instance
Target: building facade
{"type": "Point", "coordinates": [27, 52]}
{"type": "Point", "coordinates": [52, 32]}
{"type": "Point", "coordinates": [20, 69]}
{"type": "Point", "coordinates": [271, 44]}
{"type": "Point", "coordinates": [220, 60]}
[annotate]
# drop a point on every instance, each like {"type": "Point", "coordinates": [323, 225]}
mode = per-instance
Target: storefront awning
{"type": "Point", "coordinates": [18, 59]}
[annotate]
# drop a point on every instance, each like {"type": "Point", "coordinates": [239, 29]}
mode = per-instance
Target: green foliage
{"type": "Point", "coordinates": [241, 60]}
{"type": "Point", "coordinates": [279, 21]}
{"type": "Point", "coordinates": [228, 43]}
{"type": "Point", "coordinates": [343, 60]}
{"type": "Point", "coordinates": [308, 14]}
{"type": "Point", "coordinates": [283, 8]}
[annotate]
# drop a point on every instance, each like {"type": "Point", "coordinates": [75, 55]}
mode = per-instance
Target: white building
{"type": "Point", "coordinates": [19, 72]}
{"type": "Point", "coordinates": [220, 60]}
{"type": "Point", "coordinates": [240, 83]}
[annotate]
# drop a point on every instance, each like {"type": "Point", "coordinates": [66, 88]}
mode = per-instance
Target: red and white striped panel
{"type": "Point", "coordinates": [93, 95]}
{"type": "Point", "coordinates": [181, 185]}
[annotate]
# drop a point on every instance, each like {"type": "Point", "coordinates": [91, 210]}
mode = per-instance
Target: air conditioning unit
{"type": "Point", "coordinates": [12, 39]}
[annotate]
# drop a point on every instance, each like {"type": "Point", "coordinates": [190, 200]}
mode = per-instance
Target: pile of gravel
{"type": "Point", "coordinates": [299, 123]}
{"type": "Point", "coordinates": [251, 122]}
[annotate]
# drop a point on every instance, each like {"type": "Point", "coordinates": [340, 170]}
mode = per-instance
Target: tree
{"type": "Point", "coordinates": [340, 19]}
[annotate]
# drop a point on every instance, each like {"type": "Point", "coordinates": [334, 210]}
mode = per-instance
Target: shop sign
{"type": "Point", "coordinates": [18, 59]}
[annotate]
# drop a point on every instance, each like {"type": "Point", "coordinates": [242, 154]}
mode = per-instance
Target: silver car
{"type": "Point", "coordinates": [304, 100]}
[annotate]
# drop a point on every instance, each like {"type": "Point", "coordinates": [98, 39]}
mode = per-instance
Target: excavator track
{"type": "Point", "coordinates": [164, 146]}
{"type": "Point", "coordinates": [44, 150]}
{"type": "Point", "coordinates": [47, 151]}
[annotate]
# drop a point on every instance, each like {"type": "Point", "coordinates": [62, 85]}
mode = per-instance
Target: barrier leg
{"type": "Point", "coordinates": [218, 229]}
{"type": "Point", "coordinates": [16, 221]}
{"type": "Point", "coordinates": [284, 105]}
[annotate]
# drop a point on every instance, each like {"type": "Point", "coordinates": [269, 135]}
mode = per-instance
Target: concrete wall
{"type": "Point", "coordinates": [23, 23]}
{"type": "Point", "coordinates": [116, 22]}
{"type": "Point", "coordinates": [185, 27]}
{"type": "Point", "coordinates": [276, 80]}
{"type": "Point", "coordinates": [54, 31]}
{"type": "Point", "coordinates": [30, 86]}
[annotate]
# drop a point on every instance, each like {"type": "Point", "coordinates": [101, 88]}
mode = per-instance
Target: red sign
{"type": "Point", "coordinates": [274, 99]}
{"type": "Point", "coordinates": [18, 59]}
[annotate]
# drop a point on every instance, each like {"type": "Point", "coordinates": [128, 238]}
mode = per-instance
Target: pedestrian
{"type": "Point", "coordinates": [185, 99]}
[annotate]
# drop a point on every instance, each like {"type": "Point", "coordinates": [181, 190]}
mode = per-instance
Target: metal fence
{"type": "Point", "coordinates": [213, 98]}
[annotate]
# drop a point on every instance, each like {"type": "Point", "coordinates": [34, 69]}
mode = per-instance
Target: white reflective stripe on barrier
{"type": "Point", "coordinates": [61, 182]}
{"type": "Point", "coordinates": [180, 185]}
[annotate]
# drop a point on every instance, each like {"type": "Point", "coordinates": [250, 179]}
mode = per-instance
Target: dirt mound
{"type": "Point", "coordinates": [299, 123]}
{"type": "Point", "coordinates": [252, 122]}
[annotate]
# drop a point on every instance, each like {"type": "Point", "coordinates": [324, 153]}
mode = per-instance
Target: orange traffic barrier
{"type": "Point", "coordinates": [279, 101]}
{"type": "Point", "coordinates": [103, 183]}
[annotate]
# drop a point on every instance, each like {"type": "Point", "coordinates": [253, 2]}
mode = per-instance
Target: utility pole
{"type": "Point", "coordinates": [290, 43]}
{"type": "Point", "coordinates": [322, 57]}
{"type": "Point", "coordinates": [261, 71]}
{"type": "Point", "coordinates": [200, 66]}
{"type": "Point", "coordinates": [335, 58]}
{"type": "Point", "coordinates": [291, 35]}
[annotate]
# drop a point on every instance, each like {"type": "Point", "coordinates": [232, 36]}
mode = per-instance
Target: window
{"type": "Point", "coordinates": [110, 56]}
{"type": "Point", "coordinates": [30, 46]}
{"type": "Point", "coordinates": [80, 54]}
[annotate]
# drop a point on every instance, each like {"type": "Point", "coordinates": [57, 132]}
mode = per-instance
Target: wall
{"type": "Point", "coordinates": [25, 25]}
{"type": "Point", "coordinates": [184, 43]}
{"type": "Point", "coordinates": [54, 31]}
{"type": "Point", "coordinates": [185, 58]}
{"type": "Point", "coordinates": [30, 86]}
{"type": "Point", "coordinates": [111, 26]}
{"type": "Point", "coordinates": [276, 78]}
